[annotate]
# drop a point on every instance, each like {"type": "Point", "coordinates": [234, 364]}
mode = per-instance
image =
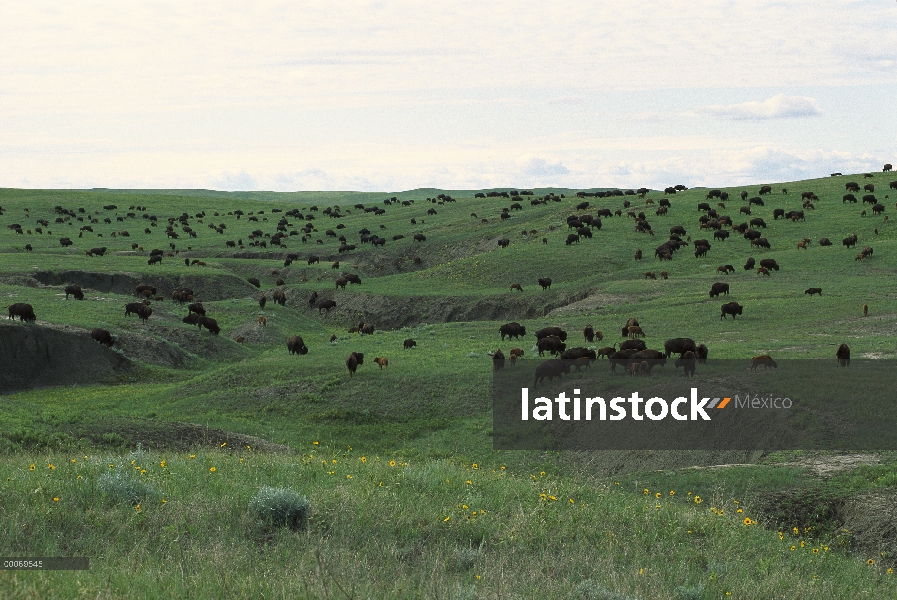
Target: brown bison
{"type": "Point", "coordinates": [144, 312]}
{"type": "Point", "coordinates": [650, 275]}
{"type": "Point", "coordinates": [514, 355]}
{"type": "Point", "coordinates": [262, 302]}
{"type": "Point", "coordinates": [210, 324]}
{"type": "Point", "coordinates": [679, 346]}
{"type": "Point", "coordinates": [549, 331]}
{"type": "Point", "coordinates": [325, 305]}
{"type": "Point", "coordinates": [516, 286]}
{"type": "Point", "coordinates": [296, 345]}
{"type": "Point", "coordinates": [552, 344]}
{"type": "Point", "coordinates": [498, 360]}
{"type": "Point", "coordinates": [687, 362]}
{"type": "Point", "coordinates": [770, 263]}
{"type": "Point", "coordinates": [719, 288]}
{"type": "Point", "coordinates": [512, 330]}
{"type": "Point", "coordinates": [409, 343]}
{"type": "Point", "coordinates": [367, 328]}
{"type": "Point", "coordinates": [545, 282]}
{"type": "Point", "coordinates": [765, 360]}
{"type": "Point", "coordinates": [102, 336]}
{"type": "Point", "coordinates": [812, 291]}
{"type": "Point", "coordinates": [843, 355]}
{"type": "Point", "coordinates": [263, 321]}
{"type": "Point", "coordinates": [588, 333]}
{"type": "Point", "coordinates": [635, 331]}
{"type": "Point", "coordinates": [197, 308]}
{"type": "Point", "coordinates": [279, 297]}
{"type": "Point", "coordinates": [140, 289]}
{"type": "Point", "coordinates": [865, 310]}
{"type": "Point", "coordinates": [74, 290]}
{"type": "Point", "coordinates": [551, 368]}
{"type": "Point", "coordinates": [381, 362]}
{"type": "Point", "coordinates": [353, 361]}
{"type": "Point", "coordinates": [731, 308]}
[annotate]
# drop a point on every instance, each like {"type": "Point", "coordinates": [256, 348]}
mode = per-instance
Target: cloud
{"type": "Point", "coordinates": [539, 168]}
{"type": "Point", "coordinates": [235, 182]}
{"type": "Point", "coordinates": [565, 100]}
{"type": "Point", "coordinates": [779, 106]}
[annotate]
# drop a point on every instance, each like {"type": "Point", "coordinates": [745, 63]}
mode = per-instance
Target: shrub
{"type": "Point", "coordinates": [123, 488]}
{"type": "Point", "coordinates": [276, 507]}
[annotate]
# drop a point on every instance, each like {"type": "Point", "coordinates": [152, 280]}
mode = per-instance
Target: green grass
{"type": "Point", "coordinates": [430, 408]}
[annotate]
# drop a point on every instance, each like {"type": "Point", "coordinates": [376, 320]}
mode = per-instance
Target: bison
{"type": "Point", "coordinates": [353, 361]}
{"type": "Point", "coordinates": [634, 345]}
{"type": "Point", "coordinates": [814, 290]}
{"type": "Point", "coordinates": [679, 346]}
{"type": "Point", "coordinates": [719, 288]}
{"type": "Point", "coordinates": [296, 345]}
{"type": "Point", "coordinates": [770, 263]}
{"type": "Point", "coordinates": [210, 324]}
{"type": "Point", "coordinates": [74, 290]}
{"type": "Point", "coordinates": [552, 344]}
{"type": "Point", "coordinates": [843, 355]}
{"type": "Point", "coordinates": [516, 286]}
{"type": "Point", "coordinates": [589, 333]}
{"type": "Point", "coordinates": [701, 353]}
{"type": "Point", "coordinates": [498, 360]}
{"type": "Point", "coordinates": [381, 362]}
{"type": "Point", "coordinates": [749, 264]}
{"type": "Point", "coordinates": [545, 282]}
{"type": "Point", "coordinates": [144, 312]}
{"type": "Point", "coordinates": [409, 343]}
{"type": "Point", "coordinates": [325, 305]}
{"type": "Point", "coordinates": [102, 336]}
{"type": "Point", "coordinates": [763, 359]}
{"type": "Point", "coordinates": [687, 362]}
{"type": "Point", "coordinates": [514, 330]}
{"type": "Point", "coordinates": [549, 331]}
{"type": "Point", "coordinates": [731, 308]}
{"type": "Point", "coordinates": [551, 368]}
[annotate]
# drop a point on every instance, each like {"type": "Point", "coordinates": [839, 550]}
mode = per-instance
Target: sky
{"type": "Point", "coordinates": [392, 96]}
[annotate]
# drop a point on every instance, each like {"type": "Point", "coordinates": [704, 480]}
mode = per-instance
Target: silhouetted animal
{"type": "Point", "coordinates": [843, 355]}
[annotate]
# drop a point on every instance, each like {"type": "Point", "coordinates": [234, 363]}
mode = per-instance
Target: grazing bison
{"type": "Point", "coordinates": [498, 360]}
{"type": "Point", "coordinates": [749, 264]}
{"type": "Point", "coordinates": [571, 238]}
{"type": "Point", "coordinates": [133, 308]}
{"type": "Point", "coordinates": [279, 297]}
{"type": "Point", "coordinates": [74, 290]}
{"type": "Point", "coordinates": [761, 243]}
{"type": "Point", "coordinates": [296, 346]}
{"type": "Point", "coordinates": [843, 355]}
{"type": "Point", "coordinates": [512, 330]}
{"type": "Point", "coordinates": [549, 331]}
{"type": "Point", "coordinates": [634, 345]}
{"type": "Point", "coordinates": [154, 260]}
{"type": "Point", "coordinates": [770, 263]}
{"type": "Point", "coordinates": [634, 331]}
{"type": "Point", "coordinates": [679, 346]}
{"type": "Point", "coordinates": [419, 237]}
{"type": "Point", "coordinates": [765, 360]}
{"type": "Point", "coordinates": [719, 288]}
{"type": "Point", "coordinates": [255, 282]}
{"type": "Point", "coordinates": [409, 343]}
{"type": "Point", "coordinates": [197, 308]}
{"type": "Point", "coordinates": [192, 319]}
{"type": "Point", "coordinates": [687, 362]}
{"type": "Point", "coordinates": [367, 328]}
{"type": "Point", "coordinates": [102, 336]}
{"type": "Point", "coordinates": [504, 243]}
{"type": "Point", "coordinates": [850, 240]}
{"type": "Point", "coordinates": [352, 362]}
{"type": "Point", "coordinates": [551, 368]}
{"type": "Point", "coordinates": [763, 271]}
{"type": "Point", "coordinates": [825, 242]}
{"type": "Point", "coordinates": [650, 275]}
{"type": "Point", "coordinates": [731, 308]}
{"type": "Point", "coordinates": [262, 302]}
{"type": "Point", "coordinates": [620, 358]}
{"type": "Point", "coordinates": [721, 234]}
{"type": "Point", "coordinates": [140, 289]}
{"type": "Point", "coordinates": [313, 259]}
{"type": "Point", "coordinates": [210, 324]}
{"type": "Point", "coordinates": [341, 282]}
{"type": "Point", "coordinates": [552, 344]}
{"type": "Point", "coordinates": [766, 189]}
{"type": "Point", "coordinates": [516, 286]}
{"type": "Point", "coordinates": [812, 291]}
{"type": "Point", "coordinates": [325, 305]}
{"type": "Point", "coordinates": [545, 282]}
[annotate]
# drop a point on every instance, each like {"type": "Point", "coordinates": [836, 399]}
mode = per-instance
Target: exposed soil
{"type": "Point", "coordinates": [206, 287]}
{"type": "Point", "coordinates": [390, 312]}
{"type": "Point", "coordinates": [35, 356]}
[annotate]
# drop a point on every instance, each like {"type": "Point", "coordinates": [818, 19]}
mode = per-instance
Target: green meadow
{"type": "Point", "coordinates": [156, 470]}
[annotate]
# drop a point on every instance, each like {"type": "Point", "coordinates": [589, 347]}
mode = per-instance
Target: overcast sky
{"type": "Point", "coordinates": [390, 96]}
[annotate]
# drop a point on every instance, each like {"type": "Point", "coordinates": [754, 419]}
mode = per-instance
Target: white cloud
{"type": "Point", "coordinates": [235, 182]}
{"type": "Point", "coordinates": [779, 106]}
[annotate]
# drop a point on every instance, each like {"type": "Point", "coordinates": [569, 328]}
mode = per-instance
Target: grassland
{"type": "Point", "coordinates": [429, 412]}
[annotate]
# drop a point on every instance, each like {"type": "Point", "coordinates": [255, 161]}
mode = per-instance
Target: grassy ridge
{"type": "Point", "coordinates": [430, 408]}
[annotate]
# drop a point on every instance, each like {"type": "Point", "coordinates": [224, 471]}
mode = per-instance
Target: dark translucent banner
{"type": "Point", "coordinates": [724, 405]}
